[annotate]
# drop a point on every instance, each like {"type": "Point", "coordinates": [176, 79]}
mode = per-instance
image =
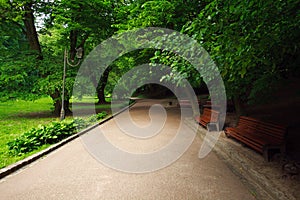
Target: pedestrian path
{"type": "Point", "coordinates": [70, 172]}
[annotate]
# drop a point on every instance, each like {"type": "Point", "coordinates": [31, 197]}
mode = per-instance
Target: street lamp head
{"type": "Point", "coordinates": [79, 53]}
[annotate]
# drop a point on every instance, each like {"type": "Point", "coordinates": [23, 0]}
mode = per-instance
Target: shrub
{"type": "Point", "coordinates": [80, 123]}
{"type": "Point", "coordinates": [97, 117]}
{"type": "Point", "coordinates": [50, 134]}
{"type": "Point", "coordinates": [43, 134]}
{"type": "Point", "coordinates": [101, 115]}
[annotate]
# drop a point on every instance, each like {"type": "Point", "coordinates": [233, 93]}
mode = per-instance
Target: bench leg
{"type": "Point", "coordinates": [283, 149]}
{"type": "Point", "coordinates": [266, 154]}
{"type": "Point", "coordinates": [209, 125]}
{"type": "Point", "coordinates": [217, 126]}
{"type": "Point", "coordinates": [267, 151]}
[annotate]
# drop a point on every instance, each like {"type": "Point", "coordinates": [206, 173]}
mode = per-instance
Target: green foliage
{"type": "Point", "coordinates": [180, 68]}
{"type": "Point", "coordinates": [96, 117]}
{"type": "Point", "coordinates": [50, 134]}
{"type": "Point", "coordinates": [101, 115]}
{"type": "Point", "coordinates": [251, 42]}
{"type": "Point", "coordinates": [18, 65]}
{"type": "Point", "coordinates": [156, 13]}
{"type": "Point", "coordinates": [18, 78]}
{"type": "Point", "coordinates": [166, 14]}
{"type": "Point", "coordinates": [264, 87]}
{"type": "Point", "coordinates": [85, 16]}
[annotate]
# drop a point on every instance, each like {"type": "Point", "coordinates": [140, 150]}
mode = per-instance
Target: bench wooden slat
{"type": "Point", "coordinates": [247, 141]}
{"type": "Point", "coordinates": [275, 130]}
{"type": "Point", "coordinates": [261, 139]}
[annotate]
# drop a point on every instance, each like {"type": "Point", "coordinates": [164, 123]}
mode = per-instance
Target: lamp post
{"type": "Point", "coordinates": [79, 54]}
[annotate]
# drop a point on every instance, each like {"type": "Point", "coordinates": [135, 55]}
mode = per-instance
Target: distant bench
{"type": "Point", "coordinates": [259, 135]}
{"type": "Point", "coordinates": [208, 105]}
{"type": "Point", "coordinates": [187, 103]}
{"type": "Point", "coordinates": [208, 119]}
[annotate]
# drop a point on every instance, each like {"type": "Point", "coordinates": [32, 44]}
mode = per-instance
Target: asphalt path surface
{"type": "Point", "coordinates": [71, 172]}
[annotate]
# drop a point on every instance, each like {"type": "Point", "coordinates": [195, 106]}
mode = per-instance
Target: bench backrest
{"type": "Point", "coordinates": [211, 115]}
{"type": "Point", "coordinates": [271, 130]}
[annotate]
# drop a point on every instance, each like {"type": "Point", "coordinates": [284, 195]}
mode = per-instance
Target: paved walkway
{"type": "Point", "coordinates": [72, 173]}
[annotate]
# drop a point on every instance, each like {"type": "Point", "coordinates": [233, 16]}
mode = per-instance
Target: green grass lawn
{"type": "Point", "coordinates": [17, 117]}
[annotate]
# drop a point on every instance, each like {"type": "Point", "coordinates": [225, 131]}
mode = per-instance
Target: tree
{"type": "Point", "coordinates": [73, 24]}
{"type": "Point", "coordinates": [165, 14]}
{"type": "Point", "coordinates": [87, 20]}
{"type": "Point", "coordinates": [65, 23]}
{"type": "Point", "coordinates": [253, 43]}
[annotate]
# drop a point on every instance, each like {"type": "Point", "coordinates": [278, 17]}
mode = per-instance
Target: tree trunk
{"type": "Point", "coordinates": [238, 105]}
{"type": "Point", "coordinates": [101, 86]}
{"type": "Point", "coordinates": [57, 107]}
{"type": "Point", "coordinates": [31, 32]}
{"type": "Point", "coordinates": [73, 43]}
{"type": "Point", "coordinates": [101, 95]}
{"type": "Point", "coordinates": [57, 104]}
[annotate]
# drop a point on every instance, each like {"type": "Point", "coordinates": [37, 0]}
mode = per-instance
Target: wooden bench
{"type": "Point", "coordinates": [260, 136]}
{"type": "Point", "coordinates": [187, 103]}
{"type": "Point", "coordinates": [208, 105]}
{"type": "Point", "coordinates": [208, 119]}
